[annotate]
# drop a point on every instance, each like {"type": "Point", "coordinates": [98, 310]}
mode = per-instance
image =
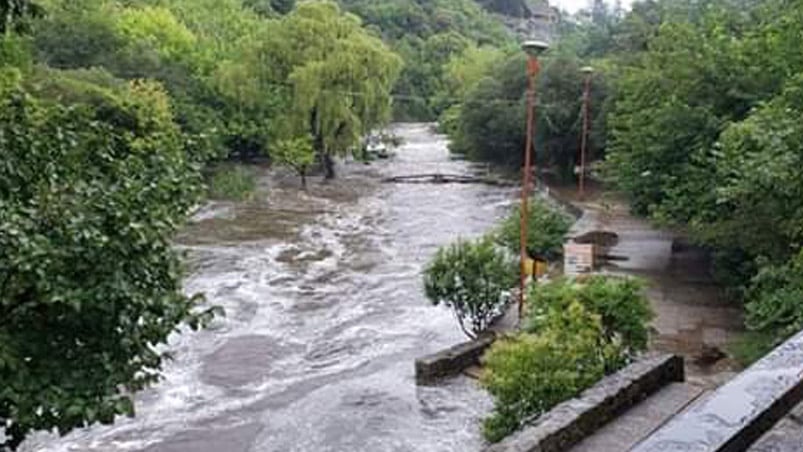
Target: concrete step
{"type": "Point", "coordinates": [786, 436]}
{"type": "Point", "coordinates": [637, 423]}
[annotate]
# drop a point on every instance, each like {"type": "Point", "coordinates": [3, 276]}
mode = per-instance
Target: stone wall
{"type": "Point", "coordinates": [572, 421]}
{"type": "Point", "coordinates": [452, 361]}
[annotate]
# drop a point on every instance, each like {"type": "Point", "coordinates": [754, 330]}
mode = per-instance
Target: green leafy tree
{"type": "Point", "coordinates": [90, 196]}
{"type": "Point", "coordinates": [339, 75]}
{"type": "Point", "coordinates": [472, 279]}
{"type": "Point", "coordinates": [546, 232]}
{"type": "Point", "coordinates": [268, 8]}
{"type": "Point", "coordinates": [755, 172]}
{"type": "Point", "coordinates": [491, 124]}
{"type": "Point", "coordinates": [561, 87]}
{"type": "Point", "coordinates": [461, 75]}
{"type": "Point", "coordinates": [159, 28]}
{"type": "Point", "coordinates": [296, 154]}
{"type": "Point", "coordinates": [419, 31]}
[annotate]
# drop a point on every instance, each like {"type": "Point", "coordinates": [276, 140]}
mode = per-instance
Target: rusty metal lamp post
{"type": "Point", "coordinates": [533, 49]}
{"type": "Point", "coordinates": [589, 72]}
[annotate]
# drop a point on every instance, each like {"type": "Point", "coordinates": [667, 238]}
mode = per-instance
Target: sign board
{"type": "Point", "coordinates": [535, 268]}
{"type": "Point", "coordinates": [578, 259]}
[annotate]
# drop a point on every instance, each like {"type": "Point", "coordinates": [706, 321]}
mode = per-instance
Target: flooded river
{"type": "Point", "coordinates": [325, 316]}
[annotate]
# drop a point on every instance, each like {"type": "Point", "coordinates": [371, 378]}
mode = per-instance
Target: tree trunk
{"type": "Point", "coordinates": [303, 180]}
{"type": "Point", "coordinates": [328, 166]}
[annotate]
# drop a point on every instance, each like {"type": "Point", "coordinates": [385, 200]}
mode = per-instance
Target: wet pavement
{"type": "Point", "coordinates": [693, 316]}
{"type": "Point", "coordinates": [325, 316]}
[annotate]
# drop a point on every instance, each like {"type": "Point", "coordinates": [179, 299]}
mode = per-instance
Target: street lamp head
{"type": "Point", "coordinates": [534, 48]}
{"type": "Point", "coordinates": [587, 70]}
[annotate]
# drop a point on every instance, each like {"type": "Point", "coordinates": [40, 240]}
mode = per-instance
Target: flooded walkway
{"type": "Point", "coordinates": [693, 316]}
{"type": "Point", "coordinates": [325, 316]}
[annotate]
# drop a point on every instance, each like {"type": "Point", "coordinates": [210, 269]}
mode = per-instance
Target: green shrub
{"type": "Point", "coordinates": [620, 303]}
{"type": "Point", "coordinates": [232, 182]}
{"type": "Point", "coordinates": [546, 231]}
{"type": "Point", "coordinates": [471, 278]}
{"type": "Point", "coordinates": [576, 333]}
{"type": "Point", "coordinates": [774, 299]}
{"type": "Point", "coordinates": [530, 373]}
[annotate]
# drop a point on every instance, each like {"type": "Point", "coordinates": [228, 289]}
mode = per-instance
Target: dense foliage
{"type": "Point", "coordinates": [110, 113]}
{"type": "Point", "coordinates": [488, 124]}
{"type": "Point", "coordinates": [576, 332]}
{"type": "Point", "coordinates": [528, 374]}
{"type": "Point", "coordinates": [340, 78]}
{"type": "Point", "coordinates": [546, 231]}
{"type": "Point", "coordinates": [242, 80]}
{"type": "Point", "coordinates": [473, 278]}
{"type": "Point", "coordinates": [620, 302]}
{"type": "Point", "coordinates": [91, 193]}
{"type": "Point", "coordinates": [706, 133]}
{"type": "Point", "coordinates": [427, 34]}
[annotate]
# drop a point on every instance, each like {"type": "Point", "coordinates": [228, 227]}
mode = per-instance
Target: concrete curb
{"type": "Point", "coordinates": [572, 421]}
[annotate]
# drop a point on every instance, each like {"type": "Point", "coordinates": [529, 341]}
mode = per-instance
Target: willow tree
{"type": "Point", "coordinates": [339, 76]}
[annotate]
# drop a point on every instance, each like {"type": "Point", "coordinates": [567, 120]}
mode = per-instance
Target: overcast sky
{"type": "Point", "coordinates": [574, 5]}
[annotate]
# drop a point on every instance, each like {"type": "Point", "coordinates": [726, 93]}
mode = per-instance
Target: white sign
{"type": "Point", "coordinates": [578, 259]}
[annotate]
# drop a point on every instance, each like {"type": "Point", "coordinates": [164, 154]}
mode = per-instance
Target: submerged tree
{"type": "Point", "coordinates": [472, 279]}
{"type": "Point", "coordinates": [295, 153]}
{"type": "Point", "coordinates": [340, 75]}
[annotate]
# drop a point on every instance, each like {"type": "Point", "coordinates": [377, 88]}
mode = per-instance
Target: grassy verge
{"type": "Point", "coordinates": [231, 182]}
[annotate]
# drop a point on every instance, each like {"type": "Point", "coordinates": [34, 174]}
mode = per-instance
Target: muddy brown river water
{"type": "Point", "coordinates": [325, 316]}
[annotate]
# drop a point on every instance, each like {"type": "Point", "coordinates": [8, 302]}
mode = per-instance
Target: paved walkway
{"type": "Point", "coordinates": [693, 317]}
{"type": "Point", "coordinates": [640, 421]}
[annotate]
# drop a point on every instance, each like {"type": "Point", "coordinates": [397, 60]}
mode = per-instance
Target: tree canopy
{"type": "Point", "coordinates": [108, 113]}
{"type": "Point", "coordinates": [705, 134]}
{"type": "Point", "coordinates": [91, 192]}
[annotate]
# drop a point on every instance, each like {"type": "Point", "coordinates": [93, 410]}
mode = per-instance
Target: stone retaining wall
{"type": "Point", "coordinates": [572, 421]}
{"type": "Point", "coordinates": [452, 361]}
{"type": "Point", "coordinates": [738, 413]}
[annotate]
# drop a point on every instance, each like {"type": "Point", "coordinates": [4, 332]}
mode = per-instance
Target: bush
{"type": "Point", "coordinates": [620, 303]}
{"type": "Point", "coordinates": [472, 279]}
{"type": "Point", "coordinates": [774, 299]}
{"type": "Point", "coordinates": [546, 232]}
{"type": "Point", "coordinates": [531, 373]}
{"type": "Point", "coordinates": [577, 333]}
